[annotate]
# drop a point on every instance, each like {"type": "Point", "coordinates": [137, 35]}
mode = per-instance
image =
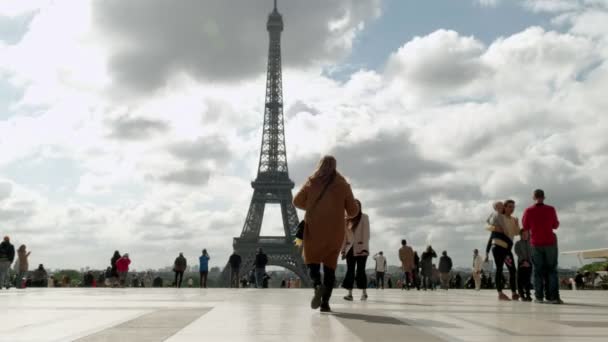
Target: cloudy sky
{"type": "Point", "coordinates": [135, 125]}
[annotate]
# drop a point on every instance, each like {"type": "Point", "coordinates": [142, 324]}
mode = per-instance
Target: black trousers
{"type": "Point", "coordinates": [500, 255]}
{"type": "Point", "coordinates": [355, 271]}
{"type": "Point", "coordinates": [179, 274]}
{"type": "Point", "coordinates": [524, 281]}
{"type": "Point", "coordinates": [203, 280]}
{"type": "Point", "coordinates": [329, 279]}
{"type": "Point", "coordinates": [380, 280]}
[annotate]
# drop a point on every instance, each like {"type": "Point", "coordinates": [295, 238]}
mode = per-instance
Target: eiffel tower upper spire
{"type": "Point", "coordinates": [272, 167]}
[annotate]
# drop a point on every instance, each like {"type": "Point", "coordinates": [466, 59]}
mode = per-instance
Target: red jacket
{"type": "Point", "coordinates": [122, 265]}
{"type": "Point", "coordinates": [541, 220]}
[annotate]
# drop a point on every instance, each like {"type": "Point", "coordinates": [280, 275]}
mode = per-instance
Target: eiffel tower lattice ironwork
{"type": "Point", "coordinates": [272, 184]}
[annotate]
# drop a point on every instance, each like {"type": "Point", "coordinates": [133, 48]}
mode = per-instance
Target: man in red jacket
{"type": "Point", "coordinates": [541, 220]}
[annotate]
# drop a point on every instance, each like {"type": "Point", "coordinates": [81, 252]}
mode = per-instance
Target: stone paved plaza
{"type": "Point", "coordinates": [284, 315]}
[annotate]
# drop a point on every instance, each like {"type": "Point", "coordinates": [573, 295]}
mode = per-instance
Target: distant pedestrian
{"type": "Point", "coordinates": [179, 267]}
{"type": "Point", "coordinates": [325, 196]}
{"type": "Point", "coordinates": [261, 260]}
{"type": "Point", "coordinates": [477, 269]}
{"type": "Point", "coordinates": [426, 266]}
{"type": "Point", "coordinates": [204, 268]}
{"type": "Point", "coordinates": [22, 266]}
{"type": "Point", "coordinates": [406, 256]}
{"type": "Point", "coordinates": [541, 220]}
{"type": "Point", "coordinates": [445, 267]}
{"type": "Point", "coordinates": [7, 256]}
{"type": "Point", "coordinates": [524, 266]}
{"type": "Point", "coordinates": [416, 273]}
{"type": "Point", "coordinates": [190, 282]}
{"type": "Point", "coordinates": [381, 266]}
{"type": "Point", "coordinates": [356, 250]}
{"type": "Point", "coordinates": [122, 267]}
{"type": "Point", "coordinates": [114, 276]}
{"type": "Point", "coordinates": [235, 267]}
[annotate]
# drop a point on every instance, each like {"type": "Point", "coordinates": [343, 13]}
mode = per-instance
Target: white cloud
{"type": "Point", "coordinates": [488, 3]}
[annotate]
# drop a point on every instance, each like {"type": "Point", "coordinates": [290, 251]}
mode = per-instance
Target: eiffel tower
{"type": "Point", "coordinates": [272, 184]}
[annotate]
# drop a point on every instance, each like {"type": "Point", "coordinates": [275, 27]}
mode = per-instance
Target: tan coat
{"type": "Point", "coordinates": [324, 232]}
{"type": "Point", "coordinates": [406, 255]}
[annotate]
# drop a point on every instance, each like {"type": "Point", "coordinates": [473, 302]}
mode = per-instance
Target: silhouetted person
{"type": "Point", "coordinates": [114, 276]}
{"type": "Point", "coordinates": [445, 267]}
{"type": "Point", "coordinates": [7, 256]}
{"type": "Point", "coordinates": [426, 265]}
{"type": "Point", "coordinates": [235, 267]}
{"type": "Point", "coordinates": [261, 260]}
{"type": "Point", "coordinates": [179, 267]}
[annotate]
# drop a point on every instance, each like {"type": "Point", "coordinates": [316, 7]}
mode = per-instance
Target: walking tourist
{"type": "Point", "coordinates": [325, 196]}
{"type": "Point", "coordinates": [541, 220]}
{"type": "Point", "coordinates": [179, 267]}
{"type": "Point", "coordinates": [7, 256]}
{"type": "Point", "coordinates": [445, 267]}
{"type": "Point", "coordinates": [524, 266]}
{"type": "Point", "coordinates": [261, 260]}
{"type": "Point", "coordinates": [426, 267]}
{"type": "Point", "coordinates": [22, 266]}
{"type": "Point", "coordinates": [114, 277]}
{"type": "Point", "coordinates": [406, 256]}
{"type": "Point", "coordinates": [416, 274]}
{"type": "Point", "coordinates": [203, 268]}
{"type": "Point", "coordinates": [380, 269]}
{"type": "Point", "coordinates": [477, 268]}
{"type": "Point", "coordinates": [122, 268]}
{"type": "Point", "coordinates": [356, 251]}
{"type": "Point", "coordinates": [503, 227]}
{"type": "Point", "coordinates": [235, 266]}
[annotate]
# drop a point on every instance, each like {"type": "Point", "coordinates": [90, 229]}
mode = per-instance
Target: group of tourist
{"type": "Point", "coordinates": [536, 250]}
{"type": "Point", "coordinates": [116, 274]}
{"type": "Point", "coordinates": [21, 266]}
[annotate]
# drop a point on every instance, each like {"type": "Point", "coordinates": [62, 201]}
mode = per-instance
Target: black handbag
{"type": "Point", "coordinates": [302, 224]}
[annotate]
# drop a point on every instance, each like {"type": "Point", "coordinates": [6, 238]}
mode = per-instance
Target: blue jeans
{"type": "Point", "coordinates": [546, 283]}
{"type": "Point", "coordinates": [259, 277]}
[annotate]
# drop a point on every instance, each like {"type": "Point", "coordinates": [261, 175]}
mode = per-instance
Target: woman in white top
{"type": "Point", "coordinates": [356, 250]}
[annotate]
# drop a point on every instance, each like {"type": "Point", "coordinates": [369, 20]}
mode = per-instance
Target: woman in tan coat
{"type": "Point", "coordinates": [325, 222]}
{"type": "Point", "coordinates": [22, 266]}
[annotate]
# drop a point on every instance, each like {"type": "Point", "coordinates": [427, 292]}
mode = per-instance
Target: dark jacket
{"type": "Point", "coordinates": [235, 261]}
{"type": "Point", "coordinates": [113, 261]}
{"type": "Point", "coordinates": [426, 263]}
{"type": "Point", "coordinates": [445, 264]}
{"type": "Point", "coordinates": [261, 260]}
{"type": "Point", "coordinates": [180, 264]}
{"type": "Point", "coordinates": [7, 252]}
